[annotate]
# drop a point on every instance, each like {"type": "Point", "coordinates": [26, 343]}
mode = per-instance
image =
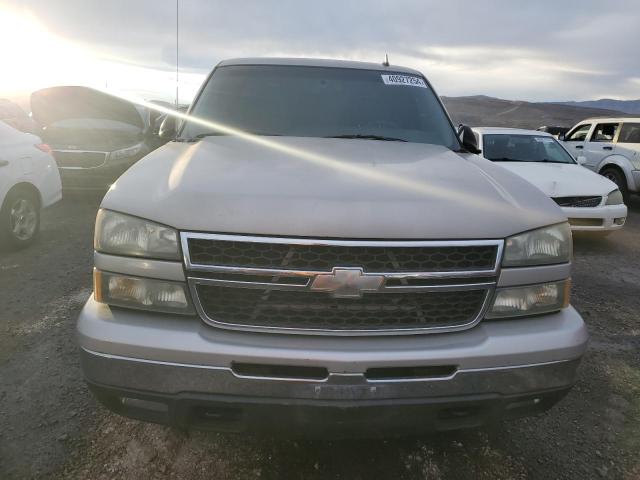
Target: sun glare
{"type": "Point", "coordinates": [364, 172]}
{"type": "Point", "coordinates": [32, 56]}
{"type": "Point", "coordinates": [36, 57]}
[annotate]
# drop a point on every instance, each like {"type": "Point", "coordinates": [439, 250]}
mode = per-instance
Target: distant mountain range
{"type": "Point", "coordinates": [626, 106]}
{"type": "Point", "coordinates": [483, 111]}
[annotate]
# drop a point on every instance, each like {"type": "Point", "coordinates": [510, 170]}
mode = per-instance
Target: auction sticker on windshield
{"type": "Point", "coordinates": [406, 80]}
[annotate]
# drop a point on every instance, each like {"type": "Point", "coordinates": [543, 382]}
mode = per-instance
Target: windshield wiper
{"type": "Point", "coordinates": [507, 159]}
{"type": "Point", "coordinates": [217, 134]}
{"type": "Point", "coordinates": [203, 135]}
{"type": "Point", "coordinates": [369, 137]}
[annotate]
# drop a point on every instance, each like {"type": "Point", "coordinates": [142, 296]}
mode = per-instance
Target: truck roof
{"type": "Point", "coordinates": [318, 62]}
{"type": "Point", "coordinates": [629, 118]}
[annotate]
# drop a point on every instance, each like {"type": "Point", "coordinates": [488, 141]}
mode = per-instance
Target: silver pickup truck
{"type": "Point", "coordinates": [319, 250]}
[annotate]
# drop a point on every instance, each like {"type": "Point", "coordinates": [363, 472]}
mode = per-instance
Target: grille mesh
{"type": "Point", "coordinates": [324, 258]}
{"type": "Point", "coordinates": [79, 159]}
{"type": "Point", "coordinates": [578, 201]}
{"type": "Point", "coordinates": [315, 310]}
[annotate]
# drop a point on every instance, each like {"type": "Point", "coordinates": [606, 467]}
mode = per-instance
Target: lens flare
{"type": "Point", "coordinates": [503, 202]}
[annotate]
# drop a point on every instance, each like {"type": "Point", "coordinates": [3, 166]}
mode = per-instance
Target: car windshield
{"type": "Point", "coordinates": [524, 148]}
{"type": "Point", "coordinates": [322, 102]}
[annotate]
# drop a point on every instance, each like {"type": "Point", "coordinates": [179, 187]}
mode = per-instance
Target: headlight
{"type": "Point", "coordinates": [141, 293]}
{"type": "Point", "coordinates": [126, 152]}
{"type": "Point", "coordinates": [121, 234]}
{"type": "Point", "coordinates": [614, 198]}
{"type": "Point", "coordinates": [530, 300]}
{"type": "Point", "coordinates": [545, 246]}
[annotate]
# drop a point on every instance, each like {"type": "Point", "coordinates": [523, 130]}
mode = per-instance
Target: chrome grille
{"type": "Point", "coordinates": [578, 201]}
{"type": "Point", "coordinates": [342, 287]}
{"type": "Point", "coordinates": [257, 254]}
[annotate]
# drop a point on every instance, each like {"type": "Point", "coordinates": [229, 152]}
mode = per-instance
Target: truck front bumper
{"type": "Point", "coordinates": [182, 372]}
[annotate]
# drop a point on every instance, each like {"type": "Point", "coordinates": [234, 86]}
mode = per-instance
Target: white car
{"type": "Point", "coordinates": [591, 202]}
{"type": "Point", "coordinates": [610, 147]}
{"type": "Point", "coordinates": [29, 181]}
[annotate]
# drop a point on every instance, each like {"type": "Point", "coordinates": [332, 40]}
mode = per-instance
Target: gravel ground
{"type": "Point", "coordinates": [50, 426]}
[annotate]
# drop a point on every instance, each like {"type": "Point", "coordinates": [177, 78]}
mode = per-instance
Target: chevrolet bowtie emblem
{"type": "Point", "coordinates": [347, 283]}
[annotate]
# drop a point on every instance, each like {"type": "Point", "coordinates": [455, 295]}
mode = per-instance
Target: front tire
{"type": "Point", "coordinates": [19, 219]}
{"type": "Point", "coordinates": [617, 177]}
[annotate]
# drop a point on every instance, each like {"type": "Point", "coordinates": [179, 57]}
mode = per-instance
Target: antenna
{"type": "Point", "coordinates": [177, 78]}
{"type": "Point", "coordinates": [386, 60]}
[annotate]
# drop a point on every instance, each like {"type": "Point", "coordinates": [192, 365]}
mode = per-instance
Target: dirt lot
{"type": "Point", "coordinates": [50, 427]}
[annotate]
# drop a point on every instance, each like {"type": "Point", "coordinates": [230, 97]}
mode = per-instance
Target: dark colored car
{"type": "Point", "coordinates": [95, 137]}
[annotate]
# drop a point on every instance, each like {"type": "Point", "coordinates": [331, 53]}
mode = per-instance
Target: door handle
{"type": "Point", "coordinates": [607, 148]}
{"type": "Point", "coordinates": [4, 163]}
{"type": "Point", "coordinates": [579, 147]}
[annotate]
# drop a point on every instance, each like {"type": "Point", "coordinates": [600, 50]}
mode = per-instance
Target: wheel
{"type": "Point", "coordinates": [19, 219]}
{"type": "Point", "coordinates": [617, 177]}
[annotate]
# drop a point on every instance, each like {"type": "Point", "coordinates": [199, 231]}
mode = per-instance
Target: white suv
{"type": "Point", "coordinates": [611, 147]}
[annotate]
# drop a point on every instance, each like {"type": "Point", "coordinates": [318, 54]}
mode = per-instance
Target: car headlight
{"type": "Point", "coordinates": [614, 198]}
{"type": "Point", "coordinates": [126, 152]}
{"type": "Point", "coordinates": [141, 293]}
{"type": "Point", "coordinates": [544, 246]}
{"type": "Point", "coordinates": [530, 300]}
{"type": "Point", "coordinates": [121, 234]}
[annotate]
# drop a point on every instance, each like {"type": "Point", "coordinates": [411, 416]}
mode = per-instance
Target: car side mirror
{"type": "Point", "coordinates": [168, 128]}
{"type": "Point", "coordinates": [468, 139]}
{"type": "Point", "coordinates": [561, 137]}
{"type": "Point", "coordinates": [581, 160]}
{"type": "Point", "coordinates": [157, 123]}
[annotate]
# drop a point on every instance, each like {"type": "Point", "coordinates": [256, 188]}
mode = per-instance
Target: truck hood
{"type": "Point", "coordinates": [55, 104]}
{"type": "Point", "coordinates": [330, 188]}
{"type": "Point", "coordinates": [561, 180]}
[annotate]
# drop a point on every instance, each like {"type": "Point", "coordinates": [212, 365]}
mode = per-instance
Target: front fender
{"type": "Point", "coordinates": [624, 164]}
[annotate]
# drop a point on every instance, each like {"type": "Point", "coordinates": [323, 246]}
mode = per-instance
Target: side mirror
{"type": "Point", "coordinates": [561, 137]}
{"type": "Point", "coordinates": [157, 123]}
{"type": "Point", "coordinates": [168, 128]}
{"type": "Point", "coordinates": [468, 139]}
{"type": "Point", "coordinates": [581, 160]}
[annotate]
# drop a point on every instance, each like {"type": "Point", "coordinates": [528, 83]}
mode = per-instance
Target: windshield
{"type": "Point", "coordinates": [524, 148]}
{"type": "Point", "coordinates": [322, 102]}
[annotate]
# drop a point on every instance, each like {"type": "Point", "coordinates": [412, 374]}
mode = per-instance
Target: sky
{"type": "Point", "coordinates": [524, 50]}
